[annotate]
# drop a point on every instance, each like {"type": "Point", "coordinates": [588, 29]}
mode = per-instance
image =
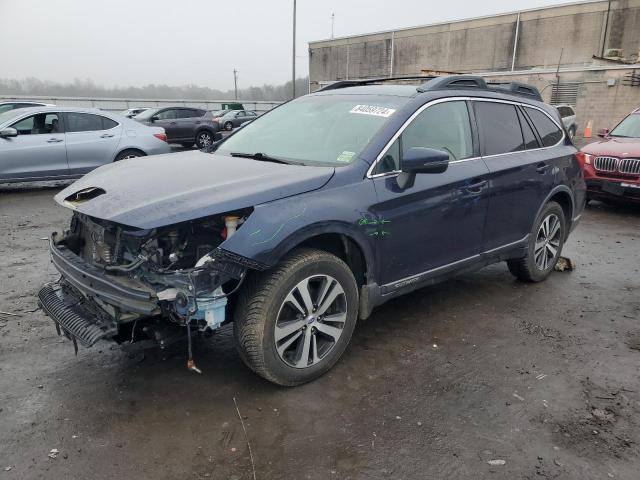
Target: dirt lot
{"type": "Point", "coordinates": [449, 382]}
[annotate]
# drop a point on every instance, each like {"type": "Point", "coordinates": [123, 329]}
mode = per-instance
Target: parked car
{"type": "Point", "coordinates": [6, 106]}
{"type": "Point", "coordinates": [49, 143]}
{"type": "Point", "coordinates": [612, 165]}
{"type": "Point", "coordinates": [235, 118]}
{"type": "Point", "coordinates": [312, 215]}
{"type": "Point", "coordinates": [132, 112]}
{"type": "Point", "coordinates": [183, 125]}
{"type": "Point", "coordinates": [568, 115]}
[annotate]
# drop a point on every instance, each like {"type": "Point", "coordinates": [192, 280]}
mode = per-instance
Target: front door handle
{"type": "Point", "coordinates": [542, 168]}
{"type": "Point", "coordinates": [476, 187]}
{"type": "Point", "coordinates": [55, 140]}
{"type": "Point", "coordinates": [106, 135]}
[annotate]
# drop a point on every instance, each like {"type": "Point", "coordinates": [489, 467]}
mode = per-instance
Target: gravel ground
{"type": "Point", "coordinates": [479, 377]}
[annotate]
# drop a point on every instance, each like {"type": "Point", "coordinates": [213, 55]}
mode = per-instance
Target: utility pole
{"type": "Point", "coordinates": [333, 17]}
{"type": "Point", "coordinates": [235, 82]}
{"type": "Point", "coordinates": [293, 58]}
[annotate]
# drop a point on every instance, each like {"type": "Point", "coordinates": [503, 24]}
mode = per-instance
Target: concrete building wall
{"type": "Point", "coordinates": [528, 46]}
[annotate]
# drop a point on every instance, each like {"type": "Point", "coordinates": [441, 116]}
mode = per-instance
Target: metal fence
{"type": "Point", "coordinates": [119, 104]}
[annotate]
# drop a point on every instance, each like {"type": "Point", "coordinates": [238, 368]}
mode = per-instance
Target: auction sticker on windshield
{"type": "Point", "coordinates": [373, 110]}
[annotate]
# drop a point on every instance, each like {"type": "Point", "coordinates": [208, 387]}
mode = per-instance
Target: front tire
{"type": "Point", "coordinates": [228, 126]}
{"type": "Point", "coordinates": [293, 322]}
{"type": "Point", "coordinates": [544, 248]}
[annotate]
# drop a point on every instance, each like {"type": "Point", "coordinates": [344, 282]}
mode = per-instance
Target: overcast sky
{"type": "Point", "coordinates": [177, 42]}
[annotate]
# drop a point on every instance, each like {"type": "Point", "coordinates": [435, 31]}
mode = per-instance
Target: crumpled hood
{"type": "Point", "coordinates": [620, 147]}
{"type": "Point", "coordinates": [159, 190]}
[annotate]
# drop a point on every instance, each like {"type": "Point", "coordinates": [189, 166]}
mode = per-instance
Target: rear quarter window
{"type": "Point", "coordinates": [549, 132]}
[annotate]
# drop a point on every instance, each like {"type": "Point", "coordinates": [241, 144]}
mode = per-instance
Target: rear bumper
{"type": "Point", "coordinates": [93, 282]}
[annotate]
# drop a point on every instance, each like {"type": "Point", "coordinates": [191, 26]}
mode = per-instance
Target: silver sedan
{"type": "Point", "coordinates": [51, 143]}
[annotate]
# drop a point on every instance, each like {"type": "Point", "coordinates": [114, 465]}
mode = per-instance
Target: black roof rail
{"type": "Point", "coordinates": [448, 81]}
{"type": "Point", "coordinates": [355, 83]}
{"type": "Point", "coordinates": [517, 88]}
{"type": "Point", "coordinates": [453, 81]}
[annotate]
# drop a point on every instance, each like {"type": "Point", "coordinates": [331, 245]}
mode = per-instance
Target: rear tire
{"type": "Point", "coordinates": [544, 247]}
{"type": "Point", "coordinates": [131, 153]}
{"type": "Point", "coordinates": [204, 139]}
{"type": "Point", "coordinates": [283, 337]}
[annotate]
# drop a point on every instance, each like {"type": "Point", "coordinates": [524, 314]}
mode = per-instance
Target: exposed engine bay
{"type": "Point", "coordinates": [145, 281]}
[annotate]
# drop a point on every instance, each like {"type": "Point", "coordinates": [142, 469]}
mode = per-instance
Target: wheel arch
{"type": "Point", "coordinates": [337, 239]}
{"type": "Point", "coordinates": [124, 149]}
{"type": "Point", "coordinates": [563, 196]}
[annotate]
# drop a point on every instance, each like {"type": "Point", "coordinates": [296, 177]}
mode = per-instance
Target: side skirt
{"type": "Point", "coordinates": [373, 295]}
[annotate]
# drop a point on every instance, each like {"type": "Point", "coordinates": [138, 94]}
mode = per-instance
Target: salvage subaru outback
{"type": "Point", "coordinates": [305, 220]}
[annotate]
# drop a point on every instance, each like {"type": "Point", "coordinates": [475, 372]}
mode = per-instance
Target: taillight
{"type": "Point", "coordinates": [161, 136]}
{"type": "Point", "coordinates": [215, 119]}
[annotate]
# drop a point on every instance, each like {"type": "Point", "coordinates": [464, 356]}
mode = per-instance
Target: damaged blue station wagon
{"type": "Point", "coordinates": [305, 220]}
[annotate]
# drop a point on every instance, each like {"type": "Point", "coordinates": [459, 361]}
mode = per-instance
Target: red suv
{"type": "Point", "coordinates": [612, 165]}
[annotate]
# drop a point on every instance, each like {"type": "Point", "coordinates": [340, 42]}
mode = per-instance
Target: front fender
{"type": "Point", "coordinates": [274, 228]}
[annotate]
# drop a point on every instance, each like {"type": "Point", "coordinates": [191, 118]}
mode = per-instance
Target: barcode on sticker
{"type": "Point", "coordinates": [373, 110]}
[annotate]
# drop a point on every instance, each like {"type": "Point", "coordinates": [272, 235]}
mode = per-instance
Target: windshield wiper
{"type": "Point", "coordinates": [263, 157]}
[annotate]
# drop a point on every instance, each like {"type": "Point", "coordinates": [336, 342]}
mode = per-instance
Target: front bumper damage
{"type": "Point", "coordinates": [89, 303]}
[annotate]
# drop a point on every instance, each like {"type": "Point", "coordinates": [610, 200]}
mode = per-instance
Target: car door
{"type": "Point", "coordinates": [520, 172]}
{"type": "Point", "coordinates": [37, 152]}
{"type": "Point", "coordinates": [239, 118]}
{"type": "Point", "coordinates": [438, 220]}
{"type": "Point", "coordinates": [167, 119]}
{"type": "Point", "coordinates": [91, 140]}
{"type": "Point", "coordinates": [188, 120]}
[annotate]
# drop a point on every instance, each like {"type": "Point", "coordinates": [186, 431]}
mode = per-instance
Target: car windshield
{"type": "Point", "coordinates": [629, 127]}
{"type": "Point", "coordinates": [316, 130]}
{"type": "Point", "coordinates": [8, 115]}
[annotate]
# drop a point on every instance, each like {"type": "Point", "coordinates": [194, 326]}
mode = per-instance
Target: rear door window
{"type": "Point", "coordinates": [549, 132]}
{"type": "Point", "coordinates": [84, 122]}
{"type": "Point", "coordinates": [188, 113]}
{"type": "Point", "coordinates": [499, 128]}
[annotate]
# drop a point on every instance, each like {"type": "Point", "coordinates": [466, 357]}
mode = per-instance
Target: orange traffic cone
{"type": "Point", "coordinates": [587, 131]}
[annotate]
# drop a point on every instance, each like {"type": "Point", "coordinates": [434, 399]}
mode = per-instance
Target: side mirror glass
{"type": "Point", "coordinates": [603, 132]}
{"type": "Point", "coordinates": [8, 132]}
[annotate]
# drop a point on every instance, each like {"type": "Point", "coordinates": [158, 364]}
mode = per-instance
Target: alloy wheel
{"type": "Point", "coordinates": [547, 244]}
{"type": "Point", "coordinates": [204, 140]}
{"type": "Point", "coordinates": [310, 321]}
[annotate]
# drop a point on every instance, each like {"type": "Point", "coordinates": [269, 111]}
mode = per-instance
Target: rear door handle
{"type": "Point", "coordinates": [476, 187]}
{"type": "Point", "coordinates": [55, 140]}
{"type": "Point", "coordinates": [106, 135]}
{"type": "Point", "coordinates": [172, 123]}
{"type": "Point", "coordinates": [542, 168]}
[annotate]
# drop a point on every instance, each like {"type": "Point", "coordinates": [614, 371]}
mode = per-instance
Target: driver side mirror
{"type": "Point", "coordinates": [421, 160]}
{"type": "Point", "coordinates": [8, 132]}
{"type": "Point", "coordinates": [155, 118]}
{"type": "Point", "coordinates": [603, 132]}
